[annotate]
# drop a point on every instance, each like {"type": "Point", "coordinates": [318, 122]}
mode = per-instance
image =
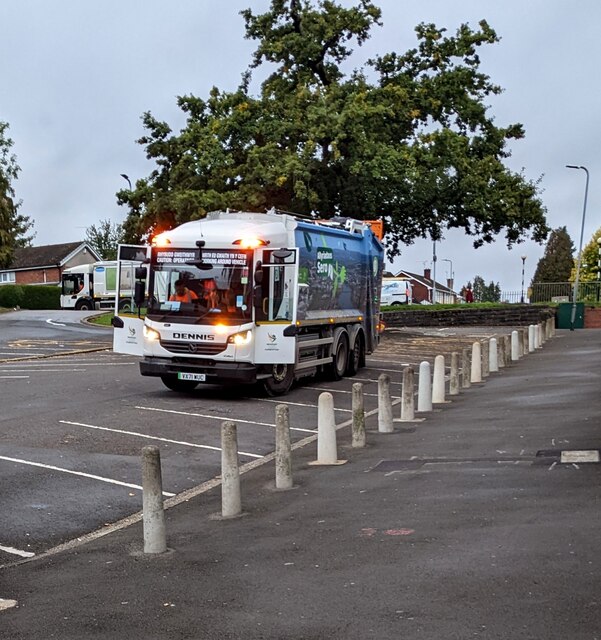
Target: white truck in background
{"type": "Point", "coordinates": [396, 291]}
{"type": "Point", "coordinates": [94, 286]}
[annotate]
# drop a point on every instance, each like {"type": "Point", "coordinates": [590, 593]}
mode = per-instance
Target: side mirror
{"type": "Point", "coordinates": [139, 293]}
{"type": "Point", "coordinates": [140, 273]}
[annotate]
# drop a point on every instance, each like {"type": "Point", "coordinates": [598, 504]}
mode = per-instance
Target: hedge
{"type": "Point", "coordinates": [30, 296]}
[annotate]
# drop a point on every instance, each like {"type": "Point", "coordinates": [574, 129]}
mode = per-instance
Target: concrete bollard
{"type": "Point", "coordinates": [493, 363]}
{"type": "Point", "coordinates": [521, 342]}
{"type": "Point", "coordinates": [476, 371]}
{"type": "Point", "coordinates": [358, 406]}
{"type": "Point", "coordinates": [485, 348]}
{"type": "Point", "coordinates": [231, 502]}
{"type": "Point", "coordinates": [155, 539]}
{"type": "Point", "coordinates": [438, 384]}
{"type": "Point", "coordinates": [501, 352]}
{"type": "Point", "coordinates": [515, 349]}
{"type": "Point", "coordinates": [524, 331]}
{"type": "Point", "coordinates": [327, 451]}
{"type": "Point", "coordinates": [465, 368]}
{"type": "Point", "coordinates": [507, 347]}
{"type": "Point", "coordinates": [283, 450]}
{"type": "Point", "coordinates": [384, 404]}
{"type": "Point", "coordinates": [551, 322]}
{"type": "Point", "coordinates": [454, 376]}
{"type": "Point", "coordinates": [530, 338]}
{"type": "Point", "coordinates": [537, 342]}
{"type": "Point", "coordinates": [424, 389]}
{"type": "Point", "coordinates": [408, 399]}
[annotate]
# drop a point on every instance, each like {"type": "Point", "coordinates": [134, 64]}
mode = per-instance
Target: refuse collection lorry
{"type": "Point", "coordinates": [94, 286]}
{"type": "Point", "coordinates": [270, 297]}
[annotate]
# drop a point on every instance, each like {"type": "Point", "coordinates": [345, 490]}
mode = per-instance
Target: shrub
{"type": "Point", "coordinates": [30, 296]}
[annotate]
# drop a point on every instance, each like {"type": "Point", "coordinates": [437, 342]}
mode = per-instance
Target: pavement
{"type": "Point", "coordinates": [470, 524]}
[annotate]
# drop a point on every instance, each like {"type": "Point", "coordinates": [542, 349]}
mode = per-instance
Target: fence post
{"type": "Point", "coordinates": [283, 450]}
{"type": "Point", "coordinates": [358, 435]}
{"type": "Point", "coordinates": [153, 514]}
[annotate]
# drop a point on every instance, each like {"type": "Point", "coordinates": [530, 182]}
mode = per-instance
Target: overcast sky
{"type": "Point", "coordinates": [77, 75]}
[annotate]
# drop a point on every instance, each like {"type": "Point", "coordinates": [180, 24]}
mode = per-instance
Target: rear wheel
{"type": "Point", "coordinates": [340, 349]}
{"type": "Point", "coordinates": [183, 386]}
{"type": "Point", "coordinates": [126, 306]}
{"type": "Point", "coordinates": [357, 355]}
{"type": "Point", "coordinates": [280, 381]}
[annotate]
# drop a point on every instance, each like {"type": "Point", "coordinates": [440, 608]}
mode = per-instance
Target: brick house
{"type": "Point", "coordinates": [424, 285]}
{"type": "Point", "coordinates": [45, 264]}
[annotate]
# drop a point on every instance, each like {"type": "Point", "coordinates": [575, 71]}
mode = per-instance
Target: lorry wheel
{"type": "Point", "coordinates": [337, 368]}
{"type": "Point", "coordinates": [171, 382]}
{"type": "Point", "coordinates": [83, 305]}
{"type": "Point", "coordinates": [126, 305]}
{"type": "Point", "coordinates": [280, 381]}
{"type": "Point", "coordinates": [357, 356]}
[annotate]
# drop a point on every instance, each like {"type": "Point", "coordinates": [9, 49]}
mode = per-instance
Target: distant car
{"type": "Point", "coordinates": [396, 292]}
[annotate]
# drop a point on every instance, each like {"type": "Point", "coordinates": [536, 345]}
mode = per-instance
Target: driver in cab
{"type": "Point", "coordinates": [182, 293]}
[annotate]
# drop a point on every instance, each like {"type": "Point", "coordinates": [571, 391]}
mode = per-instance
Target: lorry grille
{"type": "Point", "coordinates": [196, 348]}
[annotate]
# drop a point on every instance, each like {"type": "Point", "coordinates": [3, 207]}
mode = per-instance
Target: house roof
{"type": "Point", "coordinates": [49, 255]}
{"type": "Point", "coordinates": [427, 282]}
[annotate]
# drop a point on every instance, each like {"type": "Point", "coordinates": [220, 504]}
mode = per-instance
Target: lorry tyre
{"type": "Point", "coordinates": [280, 380]}
{"type": "Point", "coordinates": [340, 354]}
{"type": "Point", "coordinates": [356, 358]}
{"type": "Point", "coordinates": [126, 305]}
{"type": "Point", "coordinates": [83, 305]}
{"type": "Point", "coordinates": [171, 382]}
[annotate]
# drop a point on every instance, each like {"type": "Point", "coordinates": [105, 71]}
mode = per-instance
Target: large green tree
{"type": "Point", "coordinates": [591, 258]}
{"type": "Point", "coordinates": [13, 225]}
{"type": "Point", "coordinates": [407, 137]}
{"type": "Point", "coordinates": [557, 261]}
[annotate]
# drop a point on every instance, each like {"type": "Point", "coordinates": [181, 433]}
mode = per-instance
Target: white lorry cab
{"type": "Point", "coordinates": [396, 291]}
{"type": "Point", "coordinates": [94, 286]}
{"type": "Point", "coordinates": [240, 298]}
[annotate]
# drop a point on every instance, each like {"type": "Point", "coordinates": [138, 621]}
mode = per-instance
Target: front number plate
{"type": "Point", "coordinates": [197, 377]}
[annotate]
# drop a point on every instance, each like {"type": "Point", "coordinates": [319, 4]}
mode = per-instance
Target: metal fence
{"type": "Point", "coordinates": [555, 292]}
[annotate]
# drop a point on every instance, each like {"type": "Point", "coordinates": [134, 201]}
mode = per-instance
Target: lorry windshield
{"type": "Point", "coordinates": [216, 288]}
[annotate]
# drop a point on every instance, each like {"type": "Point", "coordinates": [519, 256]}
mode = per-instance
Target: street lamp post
{"type": "Point", "coordinates": [598, 266]}
{"type": "Point", "coordinates": [450, 271]}
{"type": "Point", "coordinates": [126, 177]}
{"type": "Point", "coordinates": [577, 279]}
{"type": "Point", "coordinates": [523, 267]}
{"type": "Point", "coordinates": [434, 272]}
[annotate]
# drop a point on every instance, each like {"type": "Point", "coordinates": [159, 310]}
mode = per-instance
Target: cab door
{"type": "Point", "coordinates": [128, 322]}
{"type": "Point", "coordinates": [275, 312]}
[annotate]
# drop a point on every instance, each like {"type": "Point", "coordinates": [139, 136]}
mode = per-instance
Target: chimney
{"type": "Point", "coordinates": [427, 274]}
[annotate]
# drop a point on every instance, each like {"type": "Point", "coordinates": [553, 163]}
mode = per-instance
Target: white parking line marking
{"type": "Point", "coordinates": [55, 324]}
{"type": "Point", "coordinates": [141, 435]}
{"type": "Point", "coordinates": [389, 361]}
{"type": "Point", "coordinates": [13, 377]}
{"type": "Point", "coordinates": [17, 552]}
{"type": "Point", "coordinates": [222, 418]}
{"type": "Point", "coordinates": [77, 473]}
{"type": "Point", "coordinates": [298, 404]}
{"type": "Point", "coordinates": [45, 370]}
{"type": "Point", "coordinates": [372, 380]}
{"type": "Point", "coordinates": [368, 395]}
{"type": "Point", "coordinates": [78, 363]}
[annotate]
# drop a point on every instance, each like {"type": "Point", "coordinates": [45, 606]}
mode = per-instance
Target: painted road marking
{"type": "Point", "coordinates": [222, 418]}
{"type": "Point", "coordinates": [367, 395]}
{"type": "Point", "coordinates": [13, 377]}
{"type": "Point", "coordinates": [17, 552]}
{"type": "Point", "coordinates": [45, 370]}
{"type": "Point", "coordinates": [7, 604]}
{"type": "Point", "coordinates": [55, 324]}
{"type": "Point", "coordinates": [77, 363]}
{"type": "Point", "coordinates": [372, 380]}
{"type": "Point", "coordinates": [147, 437]}
{"type": "Point", "coordinates": [297, 404]}
{"type": "Point", "coordinates": [570, 457]}
{"type": "Point", "coordinates": [77, 473]}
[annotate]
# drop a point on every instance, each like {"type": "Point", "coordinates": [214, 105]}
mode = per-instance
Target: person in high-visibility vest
{"type": "Point", "coordinates": [182, 293]}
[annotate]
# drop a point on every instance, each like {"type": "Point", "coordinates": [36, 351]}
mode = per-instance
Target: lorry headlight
{"type": "Point", "coordinates": [240, 339]}
{"type": "Point", "coordinates": [151, 334]}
